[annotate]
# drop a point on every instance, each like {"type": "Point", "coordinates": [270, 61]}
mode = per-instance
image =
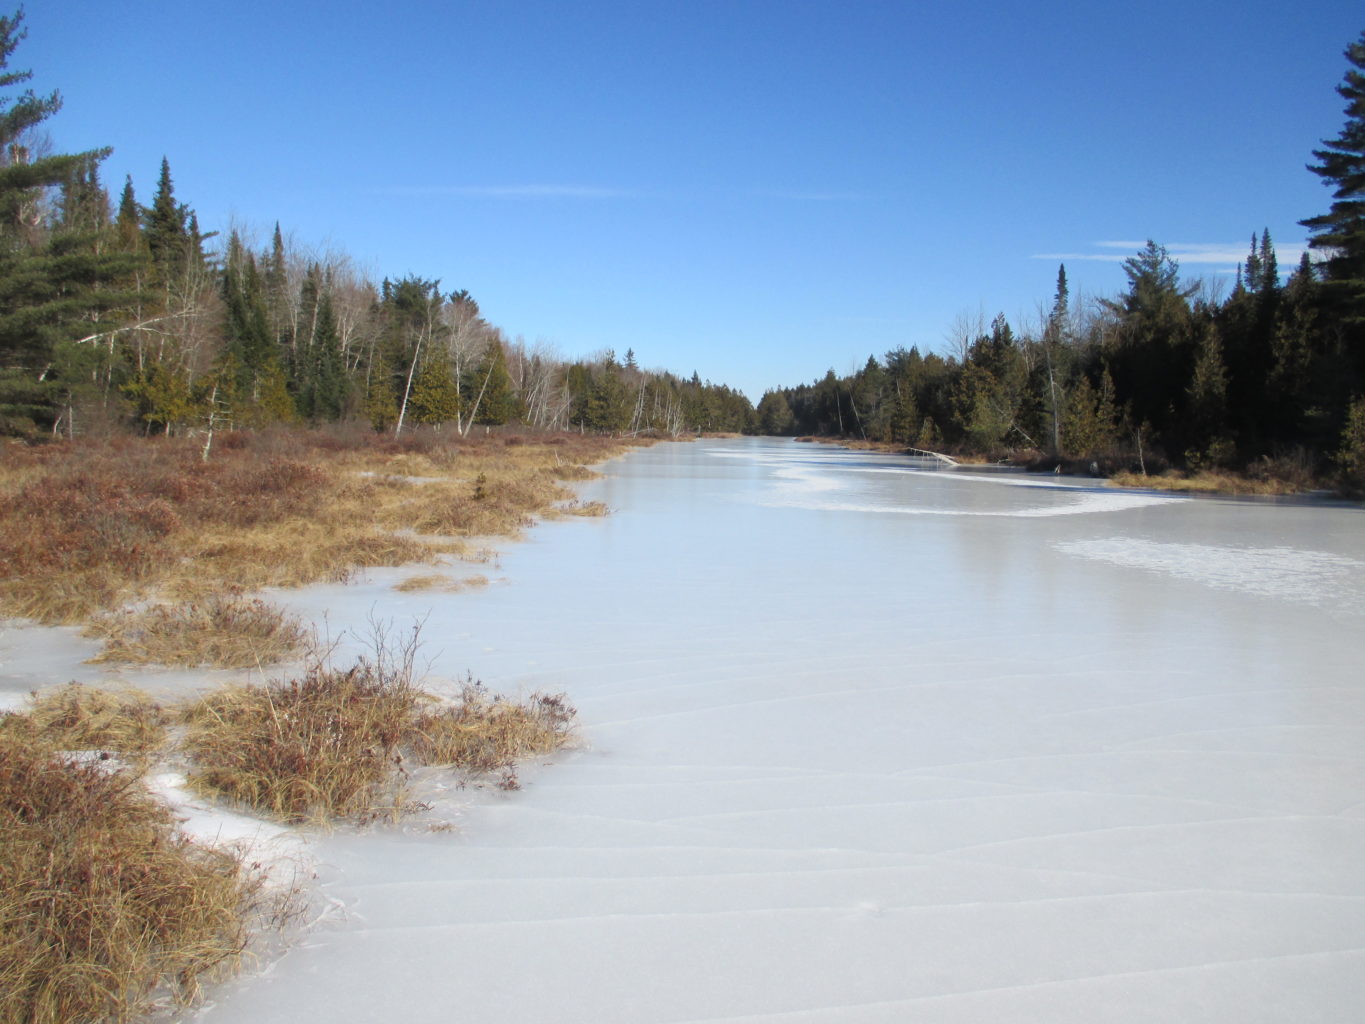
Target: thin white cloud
{"type": "Point", "coordinates": [1216, 254]}
{"type": "Point", "coordinates": [511, 191]}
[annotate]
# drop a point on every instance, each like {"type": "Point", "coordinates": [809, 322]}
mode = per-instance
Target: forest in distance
{"type": "Point", "coordinates": [119, 316]}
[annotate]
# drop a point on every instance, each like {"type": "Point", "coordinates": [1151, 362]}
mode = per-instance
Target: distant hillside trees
{"type": "Point", "coordinates": [1271, 375]}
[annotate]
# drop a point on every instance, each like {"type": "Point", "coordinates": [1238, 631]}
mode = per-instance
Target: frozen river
{"type": "Point", "coordinates": [872, 745]}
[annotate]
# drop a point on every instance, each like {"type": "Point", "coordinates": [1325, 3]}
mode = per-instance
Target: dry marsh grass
{"type": "Point", "coordinates": [105, 907]}
{"type": "Point", "coordinates": [337, 744]}
{"type": "Point", "coordinates": [222, 631]}
{"type": "Point", "coordinates": [76, 717]}
{"type": "Point", "coordinates": [310, 749]}
{"type": "Point", "coordinates": [485, 733]}
{"type": "Point", "coordinates": [439, 583]}
{"type": "Point", "coordinates": [88, 527]}
{"type": "Point", "coordinates": [1208, 482]}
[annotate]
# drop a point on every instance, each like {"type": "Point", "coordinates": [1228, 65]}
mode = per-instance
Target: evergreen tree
{"type": "Point", "coordinates": [498, 402]}
{"type": "Point", "coordinates": [1208, 403]}
{"type": "Point", "coordinates": [609, 405]}
{"type": "Point", "coordinates": [381, 398]}
{"type": "Point", "coordinates": [129, 218]}
{"type": "Point", "coordinates": [1090, 425]}
{"type": "Point", "coordinates": [1340, 233]}
{"type": "Point", "coordinates": [435, 398]}
{"type": "Point", "coordinates": [58, 282]}
{"type": "Point", "coordinates": [319, 372]}
{"type": "Point", "coordinates": [774, 414]}
{"type": "Point", "coordinates": [260, 390]}
{"type": "Point", "coordinates": [1351, 455]}
{"type": "Point", "coordinates": [167, 228]}
{"type": "Point", "coordinates": [1061, 302]}
{"type": "Point", "coordinates": [1150, 356]}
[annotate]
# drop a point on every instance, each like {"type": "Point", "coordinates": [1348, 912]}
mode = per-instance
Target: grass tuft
{"type": "Point", "coordinates": [104, 907]}
{"type": "Point", "coordinates": [220, 632]}
{"type": "Point", "coordinates": [485, 733]}
{"type": "Point", "coordinates": [436, 582]}
{"type": "Point", "coordinates": [336, 744]}
{"type": "Point", "coordinates": [77, 717]}
{"type": "Point", "coordinates": [319, 747]}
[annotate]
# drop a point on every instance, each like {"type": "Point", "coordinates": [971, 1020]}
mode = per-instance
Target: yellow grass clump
{"type": "Point", "coordinates": [486, 733]}
{"type": "Point", "coordinates": [104, 906]}
{"type": "Point", "coordinates": [220, 632]}
{"type": "Point", "coordinates": [437, 582]}
{"type": "Point", "coordinates": [319, 747]}
{"type": "Point", "coordinates": [77, 717]}
{"type": "Point", "coordinates": [1206, 482]}
{"type": "Point", "coordinates": [339, 744]}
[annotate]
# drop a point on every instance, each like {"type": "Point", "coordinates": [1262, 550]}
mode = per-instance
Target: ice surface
{"type": "Point", "coordinates": [869, 745]}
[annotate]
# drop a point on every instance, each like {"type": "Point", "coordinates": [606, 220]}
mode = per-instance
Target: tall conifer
{"type": "Point", "coordinates": [1340, 233]}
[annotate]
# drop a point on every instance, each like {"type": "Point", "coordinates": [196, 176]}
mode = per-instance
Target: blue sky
{"type": "Point", "coordinates": [758, 191]}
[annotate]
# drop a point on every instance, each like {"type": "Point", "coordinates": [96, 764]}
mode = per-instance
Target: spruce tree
{"type": "Point", "coordinates": [167, 227]}
{"type": "Point", "coordinates": [128, 220]}
{"type": "Point", "coordinates": [435, 398]}
{"type": "Point", "coordinates": [1340, 233]}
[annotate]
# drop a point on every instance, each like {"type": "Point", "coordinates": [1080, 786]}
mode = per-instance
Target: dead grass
{"type": "Point", "coordinates": [319, 747]}
{"type": "Point", "coordinates": [1207, 482]}
{"type": "Point", "coordinates": [220, 632]}
{"type": "Point", "coordinates": [76, 717]}
{"type": "Point", "coordinates": [485, 733]}
{"type": "Point", "coordinates": [104, 907]}
{"type": "Point", "coordinates": [87, 527]}
{"type": "Point", "coordinates": [439, 583]}
{"type": "Point", "coordinates": [337, 744]}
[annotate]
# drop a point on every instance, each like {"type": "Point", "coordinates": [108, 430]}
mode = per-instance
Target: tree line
{"type": "Point", "coordinates": [1167, 373]}
{"type": "Point", "coordinates": [117, 314]}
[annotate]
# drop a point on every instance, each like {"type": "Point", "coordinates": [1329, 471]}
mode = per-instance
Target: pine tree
{"type": "Point", "coordinates": [1150, 356]}
{"type": "Point", "coordinates": [58, 282]}
{"type": "Point", "coordinates": [1340, 233]}
{"type": "Point", "coordinates": [381, 398]}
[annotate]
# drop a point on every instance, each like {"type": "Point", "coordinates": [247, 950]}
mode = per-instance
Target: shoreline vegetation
{"type": "Point", "coordinates": [1267, 479]}
{"type": "Point", "coordinates": [109, 909]}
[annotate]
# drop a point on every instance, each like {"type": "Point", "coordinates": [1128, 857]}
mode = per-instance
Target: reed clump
{"type": "Point", "coordinates": [222, 631]}
{"type": "Point", "coordinates": [104, 906]}
{"type": "Point", "coordinates": [83, 718]}
{"type": "Point", "coordinates": [486, 733]}
{"type": "Point", "coordinates": [322, 746]}
{"type": "Point", "coordinates": [340, 744]}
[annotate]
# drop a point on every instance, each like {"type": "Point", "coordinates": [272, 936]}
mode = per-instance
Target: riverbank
{"type": "Point", "coordinates": [1267, 478]}
{"type": "Point", "coordinates": [155, 556]}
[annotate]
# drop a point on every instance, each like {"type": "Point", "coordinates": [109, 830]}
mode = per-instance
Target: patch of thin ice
{"type": "Point", "coordinates": [1295, 574]}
